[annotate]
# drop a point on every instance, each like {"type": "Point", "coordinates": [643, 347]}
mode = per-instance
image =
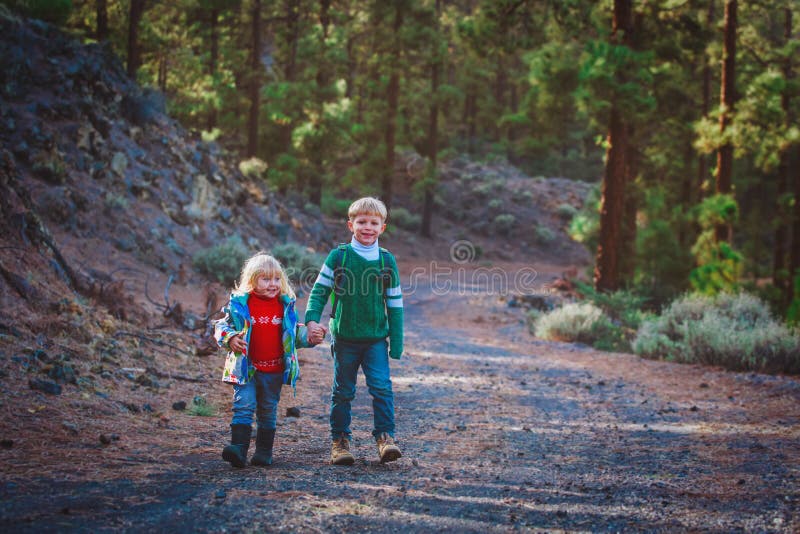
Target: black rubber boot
{"type": "Point", "coordinates": [236, 452]}
{"type": "Point", "coordinates": [265, 437]}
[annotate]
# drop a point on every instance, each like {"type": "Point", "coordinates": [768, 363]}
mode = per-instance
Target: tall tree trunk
{"type": "Point", "coordinates": [162, 72]}
{"type": "Point", "coordinates": [290, 69]}
{"type": "Point", "coordinates": [702, 160]}
{"type": "Point", "coordinates": [212, 65]}
{"type": "Point", "coordinates": [779, 278]}
{"type": "Point", "coordinates": [392, 98]}
{"type": "Point", "coordinates": [134, 54]}
{"type": "Point", "coordinates": [315, 180]}
{"type": "Point", "coordinates": [255, 82]}
{"type": "Point", "coordinates": [500, 83]}
{"type": "Point", "coordinates": [727, 101]}
{"type": "Point", "coordinates": [101, 7]}
{"type": "Point", "coordinates": [612, 202]}
{"type": "Point", "coordinates": [794, 254]}
{"type": "Point", "coordinates": [433, 138]}
{"type": "Point", "coordinates": [511, 132]}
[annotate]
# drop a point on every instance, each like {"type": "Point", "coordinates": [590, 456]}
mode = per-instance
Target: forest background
{"type": "Point", "coordinates": [682, 113]}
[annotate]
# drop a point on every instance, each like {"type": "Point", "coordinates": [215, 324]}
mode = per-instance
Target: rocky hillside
{"type": "Point", "coordinates": [105, 200]}
{"type": "Point", "coordinates": [101, 190]}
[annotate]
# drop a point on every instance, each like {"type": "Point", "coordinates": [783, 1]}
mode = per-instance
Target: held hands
{"type": "Point", "coordinates": [316, 332]}
{"type": "Point", "coordinates": [237, 343]}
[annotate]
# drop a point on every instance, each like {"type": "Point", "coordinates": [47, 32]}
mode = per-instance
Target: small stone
{"type": "Point", "coordinates": [179, 406]}
{"type": "Point", "coordinates": [7, 443]}
{"type": "Point", "coordinates": [147, 408]}
{"type": "Point", "coordinates": [693, 409]}
{"type": "Point", "coordinates": [293, 411]}
{"type": "Point", "coordinates": [703, 385]}
{"type": "Point", "coordinates": [51, 388]}
{"type": "Point", "coordinates": [71, 427]}
{"type": "Point", "coordinates": [105, 440]}
{"type": "Point", "coordinates": [220, 494]}
{"type": "Point", "coordinates": [415, 463]}
{"type": "Point", "coordinates": [461, 427]}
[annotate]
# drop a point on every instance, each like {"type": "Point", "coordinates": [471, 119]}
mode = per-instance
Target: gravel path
{"type": "Point", "coordinates": [500, 432]}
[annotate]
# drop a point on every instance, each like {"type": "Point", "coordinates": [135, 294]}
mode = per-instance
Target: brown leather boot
{"type": "Point", "coordinates": [340, 452]}
{"type": "Point", "coordinates": [388, 451]}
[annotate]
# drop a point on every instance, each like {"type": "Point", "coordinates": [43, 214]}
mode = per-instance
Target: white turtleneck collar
{"type": "Point", "coordinates": [369, 253]}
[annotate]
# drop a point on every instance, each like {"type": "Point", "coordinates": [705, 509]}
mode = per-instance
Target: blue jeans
{"type": "Point", "coordinates": [373, 358]}
{"type": "Point", "coordinates": [260, 396]}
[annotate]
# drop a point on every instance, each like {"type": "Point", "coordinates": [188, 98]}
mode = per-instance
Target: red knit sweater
{"type": "Point", "coordinates": [266, 344]}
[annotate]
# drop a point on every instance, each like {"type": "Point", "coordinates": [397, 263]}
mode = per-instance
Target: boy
{"type": "Point", "coordinates": [366, 307]}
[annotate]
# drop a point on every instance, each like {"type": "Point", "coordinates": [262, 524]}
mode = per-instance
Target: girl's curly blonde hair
{"type": "Point", "coordinates": [262, 264]}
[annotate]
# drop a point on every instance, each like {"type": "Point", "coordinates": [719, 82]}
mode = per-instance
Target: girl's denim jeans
{"type": "Point", "coordinates": [373, 358]}
{"type": "Point", "coordinates": [260, 396]}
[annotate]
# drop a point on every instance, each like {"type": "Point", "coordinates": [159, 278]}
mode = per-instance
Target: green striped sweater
{"type": "Point", "coordinates": [365, 310]}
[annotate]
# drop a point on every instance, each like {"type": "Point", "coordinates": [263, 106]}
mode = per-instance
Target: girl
{"type": "Point", "coordinates": [261, 332]}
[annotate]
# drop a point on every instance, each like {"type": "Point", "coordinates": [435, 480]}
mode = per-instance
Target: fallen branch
{"type": "Point", "coordinates": [153, 341]}
{"type": "Point", "coordinates": [171, 376]}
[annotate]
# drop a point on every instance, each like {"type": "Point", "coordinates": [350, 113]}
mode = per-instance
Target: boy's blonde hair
{"type": "Point", "coordinates": [367, 206]}
{"type": "Point", "coordinates": [262, 264]}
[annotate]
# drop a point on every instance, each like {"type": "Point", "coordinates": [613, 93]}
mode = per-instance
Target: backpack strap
{"type": "Point", "coordinates": [337, 275]}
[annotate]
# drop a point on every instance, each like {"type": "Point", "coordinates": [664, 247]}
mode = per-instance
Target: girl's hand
{"type": "Point", "coordinates": [237, 344]}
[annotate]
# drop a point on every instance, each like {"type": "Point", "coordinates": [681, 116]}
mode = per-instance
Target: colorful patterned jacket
{"type": "Point", "coordinates": [238, 367]}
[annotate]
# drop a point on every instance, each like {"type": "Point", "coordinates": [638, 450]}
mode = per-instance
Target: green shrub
{"type": "Point", "coordinates": [581, 323]}
{"type": "Point", "coordinates": [567, 211]}
{"type": "Point", "coordinates": [201, 408]}
{"type": "Point", "coordinates": [405, 219]}
{"type": "Point", "coordinates": [544, 235]}
{"type": "Point", "coordinates": [735, 331]}
{"type": "Point", "coordinates": [495, 204]}
{"type": "Point", "coordinates": [793, 313]}
{"type": "Point", "coordinates": [718, 264]}
{"type": "Point", "coordinates": [300, 263]}
{"type": "Point", "coordinates": [335, 207]}
{"type": "Point", "coordinates": [115, 202]}
{"type": "Point", "coordinates": [623, 307]}
{"type": "Point", "coordinates": [223, 261]}
{"type": "Point", "coordinates": [253, 168]}
{"type": "Point", "coordinates": [504, 222]}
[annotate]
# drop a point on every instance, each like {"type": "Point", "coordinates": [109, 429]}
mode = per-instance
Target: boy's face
{"type": "Point", "coordinates": [366, 228]}
{"type": "Point", "coordinates": [267, 285]}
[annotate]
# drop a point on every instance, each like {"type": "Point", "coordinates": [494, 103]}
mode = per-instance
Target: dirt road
{"type": "Point", "coordinates": [500, 432]}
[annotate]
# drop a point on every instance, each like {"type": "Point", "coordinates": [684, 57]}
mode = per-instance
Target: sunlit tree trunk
{"type": "Point", "coordinates": [612, 203]}
{"type": "Point", "coordinates": [255, 82]}
{"type": "Point", "coordinates": [727, 102]}
{"type": "Point", "coordinates": [134, 18]}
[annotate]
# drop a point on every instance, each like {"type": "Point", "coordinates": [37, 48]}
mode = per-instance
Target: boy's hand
{"type": "Point", "coordinates": [237, 343]}
{"type": "Point", "coordinates": [316, 332]}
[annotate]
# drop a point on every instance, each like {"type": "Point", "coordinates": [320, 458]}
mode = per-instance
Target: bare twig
{"type": "Point", "coordinates": [153, 341]}
{"type": "Point", "coordinates": [171, 376]}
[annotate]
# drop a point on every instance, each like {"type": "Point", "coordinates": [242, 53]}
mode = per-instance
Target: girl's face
{"type": "Point", "coordinates": [267, 285]}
